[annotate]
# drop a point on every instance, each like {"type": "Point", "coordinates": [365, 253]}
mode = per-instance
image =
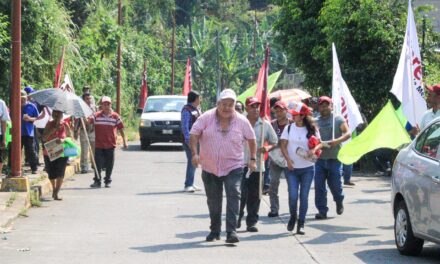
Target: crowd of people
{"type": "Point", "coordinates": [97, 135]}
{"type": "Point", "coordinates": [301, 142]}
{"type": "Point", "coordinates": [235, 147]}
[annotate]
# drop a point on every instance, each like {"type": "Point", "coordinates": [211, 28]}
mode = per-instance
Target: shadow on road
{"type": "Point", "coordinates": [178, 246]}
{"type": "Point", "coordinates": [199, 216]}
{"type": "Point", "coordinates": [385, 255]}
{"type": "Point", "coordinates": [155, 148]}
{"type": "Point", "coordinates": [370, 201]}
{"type": "Point", "coordinates": [173, 192]}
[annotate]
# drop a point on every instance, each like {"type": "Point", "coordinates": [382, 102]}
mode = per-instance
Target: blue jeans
{"type": "Point", "coordinates": [346, 172]}
{"type": "Point", "coordinates": [329, 170]}
{"type": "Point", "coordinates": [299, 181]}
{"type": "Point", "coordinates": [190, 170]}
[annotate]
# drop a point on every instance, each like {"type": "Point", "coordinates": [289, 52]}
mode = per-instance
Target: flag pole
{"type": "Point", "coordinates": [263, 108]}
{"type": "Point", "coordinates": [92, 156]}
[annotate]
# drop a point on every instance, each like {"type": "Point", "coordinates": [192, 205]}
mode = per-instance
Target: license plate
{"type": "Point", "coordinates": [167, 131]}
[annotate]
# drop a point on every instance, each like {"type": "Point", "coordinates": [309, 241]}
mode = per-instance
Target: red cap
{"type": "Point", "coordinates": [300, 109]}
{"type": "Point", "coordinates": [281, 105]}
{"type": "Point", "coordinates": [252, 100]}
{"type": "Point", "coordinates": [324, 99]}
{"type": "Point", "coordinates": [434, 88]}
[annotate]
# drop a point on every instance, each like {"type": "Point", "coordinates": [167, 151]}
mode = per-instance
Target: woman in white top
{"type": "Point", "coordinates": [299, 144]}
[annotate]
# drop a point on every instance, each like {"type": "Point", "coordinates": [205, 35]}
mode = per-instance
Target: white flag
{"type": "Point", "coordinates": [67, 85]}
{"type": "Point", "coordinates": [343, 102]}
{"type": "Point", "coordinates": [407, 84]}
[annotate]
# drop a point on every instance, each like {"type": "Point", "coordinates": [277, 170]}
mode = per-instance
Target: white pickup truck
{"type": "Point", "coordinates": [160, 120]}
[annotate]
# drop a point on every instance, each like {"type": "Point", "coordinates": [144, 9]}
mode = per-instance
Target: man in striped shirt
{"type": "Point", "coordinates": [107, 123]}
{"type": "Point", "coordinates": [221, 132]}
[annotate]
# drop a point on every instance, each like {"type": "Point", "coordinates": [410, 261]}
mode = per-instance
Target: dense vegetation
{"type": "Point", "coordinates": [368, 35]}
{"type": "Point", "coordinates": [89, 31]}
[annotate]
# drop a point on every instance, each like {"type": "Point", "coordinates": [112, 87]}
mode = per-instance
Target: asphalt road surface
{"type": "Point", "coordinates": [146, 218]}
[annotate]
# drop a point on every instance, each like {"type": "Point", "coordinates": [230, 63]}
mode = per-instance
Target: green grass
{"type": "Point", "coordinates": [35, 200]}
{"type": "Point", "coordinates": [11, 199]}
{"type": "Point", "coordinates": [42, 177]}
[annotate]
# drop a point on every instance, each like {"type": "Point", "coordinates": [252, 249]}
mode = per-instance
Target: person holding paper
{"type": "Point", "coordinates": [56, 130]}
{"type": "Point", "coordinates": [300, 145]}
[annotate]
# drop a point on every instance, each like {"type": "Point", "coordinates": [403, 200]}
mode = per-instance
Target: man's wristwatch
{"type": "Point", "coordinates": [253, 159]}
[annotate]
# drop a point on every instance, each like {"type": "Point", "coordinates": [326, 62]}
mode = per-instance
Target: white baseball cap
{"type": "Point", "coordinates": [227, 94]}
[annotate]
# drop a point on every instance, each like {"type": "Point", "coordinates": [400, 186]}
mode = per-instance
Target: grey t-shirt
{"type": "Point", "coordinates": [326, 130]}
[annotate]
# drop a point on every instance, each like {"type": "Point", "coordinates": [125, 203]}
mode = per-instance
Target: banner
{"type": "Point", "coordinates": [407, 84]}
{"type": "Point", "coordinates": [385, 131]}
{"type": "Point", "coordinates": [187, 82]}
{"type": "Point", "coordinates": [343, 102]}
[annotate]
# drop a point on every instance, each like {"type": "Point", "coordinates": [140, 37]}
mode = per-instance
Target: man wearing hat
{"type": "Point", "coordinates": [220, 133]}
{"type": "Point", "coordinates": [29, 114]}
{"type": "Point", "coordinates": [251, 182]}
{"type": "Point", "coordinates": [328, 167]}
{"type": "Point", "coordinates": [434, 102]}
{"type": "Point", "coordinates": [107, 123]}
{"type": "Point", "coordinates": [276, 168]}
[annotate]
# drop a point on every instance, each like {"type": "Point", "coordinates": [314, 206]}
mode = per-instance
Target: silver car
{"type": "Point", "coordinates": [416, 192]}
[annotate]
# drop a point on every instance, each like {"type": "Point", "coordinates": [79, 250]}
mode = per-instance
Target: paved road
{"type": "Point", "coordinates": [146, 218]}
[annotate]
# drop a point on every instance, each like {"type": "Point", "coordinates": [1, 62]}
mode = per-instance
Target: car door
{"type": "Point", "coordinates": [432, 144]}
{"type": "Point", "coordinates": [417, 184]}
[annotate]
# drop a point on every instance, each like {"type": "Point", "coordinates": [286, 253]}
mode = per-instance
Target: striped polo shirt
{"type": "Point", "coordinates": [106, 127]}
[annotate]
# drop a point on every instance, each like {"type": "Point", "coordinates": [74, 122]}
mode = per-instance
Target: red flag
{"type": "Point", "coordinates": [59, 71]}
{"type": "Point", "coordinates": [261, 92]}
{"type": "Point", "coordinates": [187, 82]}
{"type": "Point", "coordinates": [144, 89]}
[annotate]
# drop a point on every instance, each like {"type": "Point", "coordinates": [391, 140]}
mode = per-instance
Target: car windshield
{"type": "Point", "coordinates": [170, 104]}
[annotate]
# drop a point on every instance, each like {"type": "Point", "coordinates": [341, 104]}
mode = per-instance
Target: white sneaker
{"type": "Point", "coordinates": [189, 189]}
{"type": "Point", "coordinates": [196, 188]}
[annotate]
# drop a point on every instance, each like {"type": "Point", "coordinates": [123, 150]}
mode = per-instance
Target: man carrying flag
{"type": "Point", "coordinates": [251, 182]}
{"type": "Point", "coordinates": [333, 130]}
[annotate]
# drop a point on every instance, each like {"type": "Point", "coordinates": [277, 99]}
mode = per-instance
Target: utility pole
{"type": "Point", "coordinates": [191, 42]}
{"type": "Point", "coordinates": [172, 52]}
{"type": "Point", "coordinates": [255, 41]}
{"type": "Point", "coordinates": [118, 70]}
{"type": "Point", "coordinates": [219, 78]}
{"type": "Point", "coordinates": [16, 89]}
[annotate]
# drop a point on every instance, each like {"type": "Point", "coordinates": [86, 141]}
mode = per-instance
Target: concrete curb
{"type": "Point", "coordinates": [22, 200]}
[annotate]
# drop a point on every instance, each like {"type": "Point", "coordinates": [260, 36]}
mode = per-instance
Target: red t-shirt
{"type": "Point", "coordinates": [106, 127]}
{"type": "Point", "coordinates": [60, 133]}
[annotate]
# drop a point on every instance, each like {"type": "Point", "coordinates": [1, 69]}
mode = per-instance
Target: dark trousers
{"type": "Point", "coordinates": [250, 197]}
{"type": "Point", "coordinates": [214, 194]}
{"type": "Point", "coordinates": [104, 158]}
{"type": "Point", "coordinates": [29, 151]}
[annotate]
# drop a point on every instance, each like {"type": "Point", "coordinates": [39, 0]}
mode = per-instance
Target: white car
{"type": "Point", "coordinates": [416, 192]}
{"type": "Point", "coordinates": [160, 120]}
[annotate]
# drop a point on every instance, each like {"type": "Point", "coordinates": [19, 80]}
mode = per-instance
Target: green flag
{"type": "Point", "coordinates": [271, 80]}
{"type": "Point", "coordinates": [8, 135]}
{"type": "Point", "coordinates": [385, 131]}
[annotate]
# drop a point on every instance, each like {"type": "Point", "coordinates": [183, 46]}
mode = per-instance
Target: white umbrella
{"type": "Point", "coordinates": [63, 101]}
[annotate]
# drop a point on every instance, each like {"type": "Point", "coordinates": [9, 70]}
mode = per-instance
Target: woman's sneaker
{"type": "Point", "coordinates": [291, 224]}
{"type": "Point", "coordinates": [300, 229]}
{"type": "Point", "coordinates": [189, 189]}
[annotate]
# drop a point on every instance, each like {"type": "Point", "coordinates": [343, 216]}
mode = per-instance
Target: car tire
{"type": "Point", "coordinates": [406, 242]}
{"type": "Point", "coordinates": [145, 144]}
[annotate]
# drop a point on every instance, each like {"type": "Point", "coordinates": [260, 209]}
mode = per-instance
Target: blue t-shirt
{"type": "Point", "coordinates": [27, 128]}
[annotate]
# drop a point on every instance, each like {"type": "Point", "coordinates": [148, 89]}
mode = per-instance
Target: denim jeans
{"type": "Point", "coordinates": [250, 197]}
{"type": "Point", "coordinates": [275, 176]}
{"type": "Point", "coordinates": [266, 181]}
{"type": "Point", "coordinates": [299, 182]}
{"type": "Point", "coordinates": [329, 170]}
{"type": "Point", "coordinates": [190, 170]}
{"type": "Point", "coordinates": [214, 194]}
{"type": "Point", "coordinates": [347, 170]}
{"type": "Point", "coordinates": [104, 158]}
